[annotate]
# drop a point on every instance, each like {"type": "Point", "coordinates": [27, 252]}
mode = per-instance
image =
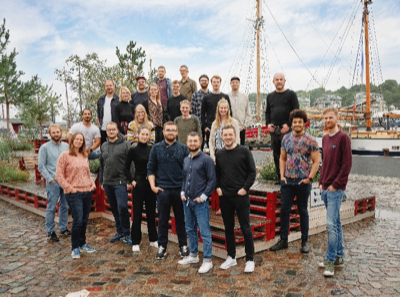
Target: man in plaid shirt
{"type": "Point", "coordinates": [197, 98]}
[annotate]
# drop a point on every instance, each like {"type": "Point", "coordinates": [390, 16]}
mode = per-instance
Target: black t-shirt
{"type": "Point", "coordinates": [174, 107]}
{"type": "Point", "coordinates": [209, 108]}
{"type": "Point", "coordinates": [279, 106]}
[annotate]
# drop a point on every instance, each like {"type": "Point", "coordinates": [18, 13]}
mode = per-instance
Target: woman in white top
{"type": "Point", "coordinates": [222, 118]}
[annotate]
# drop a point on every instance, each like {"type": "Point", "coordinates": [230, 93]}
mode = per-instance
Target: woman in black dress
{"type": "Point", "coordinates": [139, 155]}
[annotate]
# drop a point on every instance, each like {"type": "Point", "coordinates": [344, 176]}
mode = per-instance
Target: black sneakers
{"type": "Point", "coordinates": [183, 251]}
{"type": "Point", "coordinates": [52, 237]}
{"type": "Point", "coordinates": [66, 232]}
{"type": "Point", "coordinates": [305, 248]}
{"type": "Point", "coordinates": [281, 244]}
{"type": "Point", "coordinates": [161, 253]}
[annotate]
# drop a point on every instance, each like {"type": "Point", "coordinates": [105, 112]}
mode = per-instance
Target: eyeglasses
{"type": "Point", "coordinates": [112, 129]}
{"type": "Point", "coordinates": [203, 80]}
{"type": "Point", "coordinates": [170, 131]}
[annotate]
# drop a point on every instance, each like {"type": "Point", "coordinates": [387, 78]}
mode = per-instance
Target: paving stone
{"type": "Point", "coordinates": [17, 290]}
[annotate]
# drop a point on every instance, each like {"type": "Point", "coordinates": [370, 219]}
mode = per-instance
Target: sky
{"type": "Point", "coordinates": [313, 42]}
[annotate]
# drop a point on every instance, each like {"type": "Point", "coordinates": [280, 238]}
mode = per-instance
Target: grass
{"type": "Point", "coordinates": [8, 173]}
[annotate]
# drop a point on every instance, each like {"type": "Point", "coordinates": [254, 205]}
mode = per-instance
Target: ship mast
{"type": "Point", "coordinates": [367, 79]}
{"type": "Point", "coordinates": [259, 22]}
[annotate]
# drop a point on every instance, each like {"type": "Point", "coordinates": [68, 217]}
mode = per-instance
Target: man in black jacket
{"type": "Point", "coordinates": [113, 180]}
{"type": "Point", "coordinates": [280, 104]}
{"type": "Point", "coordinates": [105, 108]}
{"type": "Point", "coordinates": [236, 172]}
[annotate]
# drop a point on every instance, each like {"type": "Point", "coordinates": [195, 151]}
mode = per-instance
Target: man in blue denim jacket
{"type": "Point", "coordinates": [198, 184]}
{"type": "Point", "coordinates": [48, 157]}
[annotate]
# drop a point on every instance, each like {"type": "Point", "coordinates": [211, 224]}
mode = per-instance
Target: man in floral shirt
{"type": "Point", "coordinates": [297, 150]}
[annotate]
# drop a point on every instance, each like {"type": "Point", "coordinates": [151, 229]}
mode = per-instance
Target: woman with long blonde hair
{"type": "Point", "coordinates": [155, 111]}
{"type": "Point", "coordinates": [124, 111]}
{"type": "Point", "coordinates": [140, 120]}
{"type": "Point", "coordinates": [222, 118]}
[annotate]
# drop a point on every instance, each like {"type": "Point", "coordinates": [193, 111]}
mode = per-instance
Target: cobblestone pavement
{"type": "Point", "coordinates": [31, 266]}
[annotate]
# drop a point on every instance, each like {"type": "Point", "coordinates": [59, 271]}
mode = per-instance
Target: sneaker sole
{"type": "Point", "coordinates": [160, 258]}
{"type": "Point", "coordinates": [329, 273]}
{"type": "Point", "coordinates": [194, 262]}
{"type": "Point", "coordinates": [76, 257]}
{"type": "Point", "coordinates": [249, 271]}
{"type": "Point", "coordinates": [89, 252]}
{"type": "Point", "coordinates": [225, 268]}
{"type": "Point", "coordinates": [114, 240]}
{"type": "Point", "coordinates": [202, 272]}
{"type": "Point", "coordinates": [53, 240]}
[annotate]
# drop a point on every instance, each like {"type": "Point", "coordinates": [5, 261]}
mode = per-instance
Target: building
{"type": "Point", "coordinates": [328, 100]}
{"type": "Point", "coordinates": [378, 104]}
{"type": "Point", "coordinates": [15, 125]}
{"type": "Point", "coordinates": [304, 102]}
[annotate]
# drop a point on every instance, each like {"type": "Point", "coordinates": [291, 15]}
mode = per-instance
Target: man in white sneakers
{"type": "Point", "coordinates": [198, 184]}
{"type": "Point", "coordinates": [236, 172]}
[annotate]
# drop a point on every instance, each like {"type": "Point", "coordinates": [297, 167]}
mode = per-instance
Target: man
{"type": "Point", "coordinates": [174, 102]}
{"type": "Point", "coordinates": [90, 132]}
{"type": "Point", "coordinates": [198, 184]}
{"type": "Point", "coordinates": [236, 172]}
{"type": "Point", "coordinates": [188, 86]}
{"type": "Point", "coordinates": [47, 164]}
{"type": "Point", "coordinates": [298, 149]}
{"type": "Point", "coordinates": [336, 166]}
{"type": "Point", "coordinates": [240, 107]}
{"type": "Point", "coordinates": [209, 106]}
{"type": "Point", "coordinates": [105, 108]}
{"type": "Point", "coordinates": [164, 171]}
{"type": "Point", "coordinates": [186, 122]}
{"type": "Point", "coordinates": [164, 84]}
{"type": "Point", "coordinates": [113, 180]}
{"type": "Point", "coordinates": [141, 94]}
{"type": "Point", "coordinates": [279, 105]}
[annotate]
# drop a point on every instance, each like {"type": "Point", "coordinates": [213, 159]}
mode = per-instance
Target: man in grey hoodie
{"type": "Point", "coordinates": [113, 180]}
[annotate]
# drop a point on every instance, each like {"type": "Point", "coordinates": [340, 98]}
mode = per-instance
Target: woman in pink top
{"type": "Point", "coordinates": [73, 175]}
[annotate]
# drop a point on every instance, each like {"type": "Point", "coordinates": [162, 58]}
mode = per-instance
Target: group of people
{"type": "Point", "coordinates": [161, 134]}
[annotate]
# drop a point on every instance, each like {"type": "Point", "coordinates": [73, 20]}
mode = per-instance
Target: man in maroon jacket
{"type": "Point", "coordinates": [336, 166]}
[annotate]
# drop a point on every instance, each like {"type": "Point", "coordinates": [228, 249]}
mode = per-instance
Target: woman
{"type": "Point", "coordinates": [140, 120]}
{"type": "Point", "coordinates": [139, 155]}
{"type": "Point", "coordinates": [124, 111]}
{"type": "Point", "coordinates": [222, 118]}
{"type": "Point", "coordinates": [155, 111]}
{"type": "Point", "coordinates": [73, 175]}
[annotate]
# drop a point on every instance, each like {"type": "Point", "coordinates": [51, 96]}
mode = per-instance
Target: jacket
{"type": "Point", "coordinates": [112, 161]}
{"type": "Point", "coordinates": [169, 86]}
{"type": "Point", "coordinates": [100, 107]}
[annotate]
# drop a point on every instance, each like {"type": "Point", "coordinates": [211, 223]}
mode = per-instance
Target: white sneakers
{"type": "Point", "coordinates": [206, 267]}
{"type": "Point", "coordinates": [229, 262]}
{"type": "Point", "coordinates": [189, 260]}
{"type": "Point", "coordinates": [135, 248]}
{"type": "Point", "coordinates": [154, 244]}
{"type": "Point", "coordinates": [249, 267]}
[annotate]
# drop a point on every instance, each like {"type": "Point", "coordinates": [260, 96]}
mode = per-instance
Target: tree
{"type": "Point", "coordinates": [12, 90]}
{"type": "Point", "coordinates": [4, 36]}
{"type": "Point", "coordinates": [65, 76]}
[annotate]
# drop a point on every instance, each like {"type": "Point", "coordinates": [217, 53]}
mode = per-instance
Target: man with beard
{"type": "Point", "coordinates": [236, 172]}
{"type": "Point", "coordinates": [173, 105]}
{"type": "Point", "coordinates": [240, 107]}
{"type": "Point", "coordinates": [90, 132]}
{"type": "Point", "coordinates": [197, 99]}
{"type": "Point", "coordinates": [105, 108]}
{"type": "Point", "coordinates": [198, 184]}
{"type": "Point", "coordinates": [209, 106]}
{"type": "Point", "coordinates": [298, 149]}
{"type": "Point", "coordinates": [164, 172]}
{"type": "Point", "coordinates": [164, 84]}
{"type": "Point", "coordinates": [141, 94]}
{"type": "Point", "coordinates": [336, 166]}
{"type": "Point", "coordinates": [47, 164]}
{"type": "Point", "coordinates": [188, 86]}
{"type": "Point", "coordinates": [279, 105]}
{"type": "Point", "coordinates": [113, 180]}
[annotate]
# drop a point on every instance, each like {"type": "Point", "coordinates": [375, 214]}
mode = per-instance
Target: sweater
{"type": "Point", "coordinates": [209, 108]}
{"type": "Point", "coordinates": [336, 161]}
{"type": "Point", "coordinates": [166, 163]}
{"type": "Point", "coordinates": [139, 155]}
{"type": "Point", "coordinates": [174, 107]}
{"type": "Point", "coordinates": [112, 161]}
{"type": "Point", "coordinates": [73, 173]}
{"type": "Point", "coordinates": [279, 106]}
{"type": "Point", "coordinates": [124, 112]}
{"type": "Point", "coordinates": [48, 157]}
{"type": "Point", "coordinates": [133, 137]}
{"type": "Point", "coordinates": [235, 169]}
{"type": "Point", "coordinates": [185, 126]}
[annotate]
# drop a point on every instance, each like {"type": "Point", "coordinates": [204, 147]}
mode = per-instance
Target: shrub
{"type": "Point", "coordinates": [267, 170]}
{"type": "Point", "coordinates": [94, 165]}
{"type": "Point", "coordinates": [9, 173]}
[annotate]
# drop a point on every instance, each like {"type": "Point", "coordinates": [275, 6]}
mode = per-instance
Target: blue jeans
{"type": "Point", "coordinates": [166, 199]}
{"type": "Point", "coordinates": [55, 192]}
{"type": "Point", "coordinates": [94, 155]}
{"type": "Point", "coordinates": [288, 191]}
{"type": "Point", "coordinates": [79, 203]}
{"type": "Point", "coordinates": [117, 196]}
{"type": "Point", "coordinates": [333, 201]}
{"type": "Point", "coordinates": [198, 215]}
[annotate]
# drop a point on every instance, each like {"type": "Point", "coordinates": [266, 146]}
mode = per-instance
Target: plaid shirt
{"type": "Point", "coordinates": [197, 99]}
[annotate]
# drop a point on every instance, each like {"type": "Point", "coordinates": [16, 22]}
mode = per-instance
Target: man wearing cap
{"type": "Point", "coordinates": [140, 95]}
{"type": "Point", "coordinates": [188, 86]}
{"type": "Point", "coordinates": [240, 107]}
{"type": "Point", "coordinates": [105, 108]}
{"type": "Point", "coordinates": [164, 84]}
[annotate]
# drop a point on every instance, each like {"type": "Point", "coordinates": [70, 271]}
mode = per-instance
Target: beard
{"type": "Point", "coordinates": [193, 149]}
{"type": "Point", "coordinates": [55, 139]}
